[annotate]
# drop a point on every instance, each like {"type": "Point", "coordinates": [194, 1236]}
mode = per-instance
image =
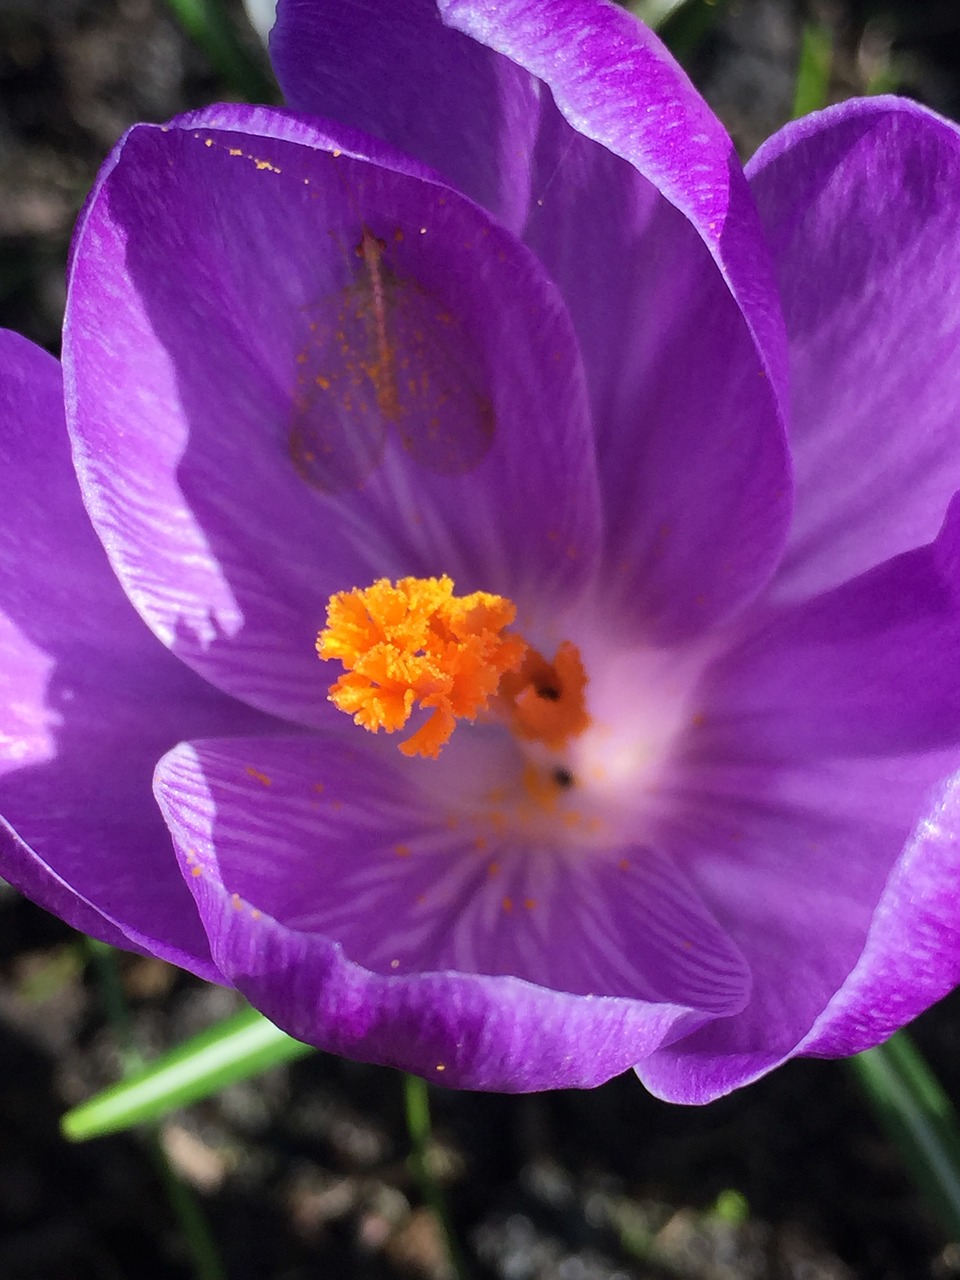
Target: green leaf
{"type": "Point", "coordinates": [813, 73]}
{"type": "Point", "coordinates": [920, 1119]}
{"type": "Point", "coordinates": [240, 1046]}
{"type": "Point", "coordinates": [210, 27]}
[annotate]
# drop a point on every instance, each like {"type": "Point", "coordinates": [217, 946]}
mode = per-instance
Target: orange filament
{"type": "Point", "coordinates": [546, 700]}
{"type": "Point", "coordinates": [415, 644]}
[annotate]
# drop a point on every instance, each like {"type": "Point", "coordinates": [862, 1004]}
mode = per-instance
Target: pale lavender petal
{"type": "Point", "coordinates": [339, 862]}
{"type": "Point", "coordinates": [859, 204]}
{"type": "Point", "coordinates": [88, 699]}
{"type": "Point", "coordinates": [240, 461]}
{"type": "Point", "coordinates": [820, 819]}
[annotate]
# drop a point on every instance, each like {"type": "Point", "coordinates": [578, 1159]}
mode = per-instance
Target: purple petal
{"type": "Point", "coordinates": [240, 460]}
{"type": "Point", "coordinates": [395, 72]}
{"type": "Point", "coordinates": [912, 956]}
{"type": "Point", "coordinates": [88, 699]}
{"type": "Point", "coordinates": [859, 202]}
{"type": "Point", "coordinates": [637, 207]}
{"type": "Point", "coordinates": [351, 906]}
{"type": "Point", "coordinates": [867, 669]}
{"type": "Point", "coordinates": [641, 214]}
{"type": "Point", "coordinates": [805, 867]}
{"type": "Point", "coordinates": [819, 825]}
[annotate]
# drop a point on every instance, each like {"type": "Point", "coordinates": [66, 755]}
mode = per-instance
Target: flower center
{"type": "Point", "coordinates": [414, 644]}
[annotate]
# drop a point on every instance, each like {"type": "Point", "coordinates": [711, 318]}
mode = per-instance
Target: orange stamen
{"type": "Point", "coordinates": [415, 644]}
{"type": "Point", "coordinates": [546, 700]}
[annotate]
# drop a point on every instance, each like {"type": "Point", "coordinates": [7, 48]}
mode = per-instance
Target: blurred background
{"type": "Point", "coordinates": [303, 1173]}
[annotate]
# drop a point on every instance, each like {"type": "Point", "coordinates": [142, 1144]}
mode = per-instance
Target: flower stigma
{"type": "Point", "coordinates": [415, 644]}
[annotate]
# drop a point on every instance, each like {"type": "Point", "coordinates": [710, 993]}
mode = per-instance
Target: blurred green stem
{"type": "Point", "coordinates": [207, 1264]}
{"type": "Point", "coordinates": [210, 27]}
{"type": "Point", "coordinates": [115, 1003]}
{"type": "Point", "coordinates": [416, 1096]}
{"type": "Point", "coordinates": [919, 1118]}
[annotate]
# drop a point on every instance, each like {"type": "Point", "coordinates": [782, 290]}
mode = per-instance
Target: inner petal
{"type": "Point", "coordinates": [345, 845]}
{"type": "Point", "coordinates": [353, 372]}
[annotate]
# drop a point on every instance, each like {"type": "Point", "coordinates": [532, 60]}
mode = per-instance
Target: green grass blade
{"type": "Point", "coordinates": [416, 1095]}
{"type": "Point", "coordinates": [920, 1119]}
{"type": "Point", "coordinates": [239, 1047]}
{"type": "Point", "coordinates": [207, 1263]}
{"type": "Point", "coordinates": [813, 72]}
{"type": "Point", "coordinates": [210, 27]}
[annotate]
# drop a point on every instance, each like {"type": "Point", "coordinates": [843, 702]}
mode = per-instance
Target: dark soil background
{"type": "Point", "coordinates": [303, 1173]}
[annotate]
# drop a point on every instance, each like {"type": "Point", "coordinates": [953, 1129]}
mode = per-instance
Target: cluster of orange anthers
{"type": "Point", "coordinates": [414, 644]}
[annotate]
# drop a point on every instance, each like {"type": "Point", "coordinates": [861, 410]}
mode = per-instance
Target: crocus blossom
{"type": "Point", "coordinates": [462, 388]}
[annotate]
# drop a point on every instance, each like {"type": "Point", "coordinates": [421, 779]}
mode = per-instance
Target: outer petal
{"type": "Point", "coordinates": [859, 203]}
{"type": "Point", "coordinates": [912, 956]}
{"type": "Point", "coordinates": [692, 458]}
{"type": "Point", "coordinates": [819, 826]}
{"type": "Point", "coordinates": [398, 73]}
{"type": "Point", "coordinates": [279, 418]}
{"type": "Point", "coordinates": [839, 883]}
{"type": "Point", "coordinates": [88, 699]}
{"type": "Point", "coordinates": [353, 907]}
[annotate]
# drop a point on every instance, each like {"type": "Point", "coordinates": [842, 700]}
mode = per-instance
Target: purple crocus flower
{"type": "Point", "coordinates": [481, 346]}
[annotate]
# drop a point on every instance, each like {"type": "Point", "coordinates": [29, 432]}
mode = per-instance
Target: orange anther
{"type": "Point", "coordinates": [415, 644]}
{"type": "Point", "coordinates": [547, 700]}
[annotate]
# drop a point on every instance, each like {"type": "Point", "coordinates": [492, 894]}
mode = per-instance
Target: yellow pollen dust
{"type": "Point", "coordinates": [414, 644]}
